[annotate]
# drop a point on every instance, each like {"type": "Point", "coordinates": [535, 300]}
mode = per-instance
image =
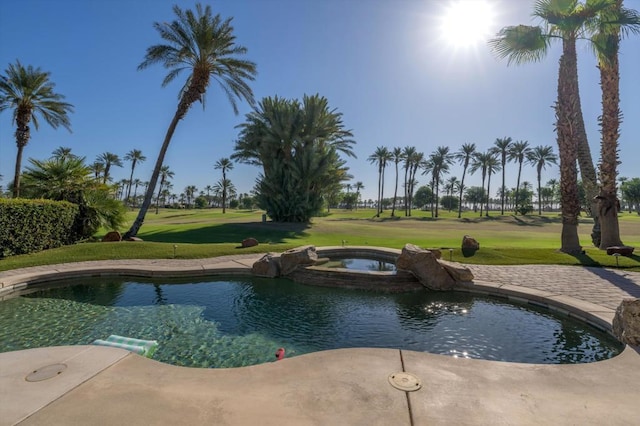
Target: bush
{"type": "Point", "coordinates": [27, 226]}
{"type": "Point", "coordinates": [525, 210]}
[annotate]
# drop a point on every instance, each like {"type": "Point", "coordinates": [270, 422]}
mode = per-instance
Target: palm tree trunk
{"type": "Point", "coordinates": [379, 184]}
{"type": "Point", "coordinates": [608, 204]}
{"type": "Point", "coordinates": [518, 187]}
{"type": "Point", "coordinates": [395, 194]}
{"type": "Point", "coordinates": [504, 190]}
{"type": "Point", "coordinates": [135, 227]}
{"type": "Point", "coordinates": [486, 213]}
{"type": "Point", "coordinates": [464, 172]}
{"type": "Point", "coordinates": [539, 190]}
{"type": "Point", "coordinates": [481, 203]}
{"type": "Point", "coordinates": [566, 110]}
{"type": "Point", "coordinates": [16, 175]}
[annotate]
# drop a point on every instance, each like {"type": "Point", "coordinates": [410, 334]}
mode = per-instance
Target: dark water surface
{"type": "Point", "coordinates": [243, 321]}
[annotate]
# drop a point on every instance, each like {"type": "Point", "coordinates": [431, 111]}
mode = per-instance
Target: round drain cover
{"type": "Point", "coordinates": [45, 373]}
{"type": "Point", "coordinates": [405, 381]}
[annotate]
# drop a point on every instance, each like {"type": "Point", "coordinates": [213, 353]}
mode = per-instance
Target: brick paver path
{"type": "Point", "coordinates": [602, 286]}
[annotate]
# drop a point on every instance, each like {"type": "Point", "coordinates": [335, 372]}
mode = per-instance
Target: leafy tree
{"type": "Point", "coordinates": [449, 202]}
{"type": "Point", "coordinates": [30, 94]}
{"type": "Point", "coordinates": [423, 196]}
{"type": "Point", "coordinates": [205, 46]}
{"type": "Point", "coordinates": [631, 191]}
{"type": "Point", "coordinates": [300, 160]}
{"type": "Point", "coordinates": [135, 157]}
{"type": "Point", "coordinates": [69, 179]}
{"type": "Point", "coordinates": [475, 195]}
{"type": "Point", "coordinates": [464, 156]}
{"type": "Point", "coordinates": [540, 157]}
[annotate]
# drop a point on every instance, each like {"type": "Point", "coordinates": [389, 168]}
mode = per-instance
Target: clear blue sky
{"type": "Point", "coordinates": [384, 64]}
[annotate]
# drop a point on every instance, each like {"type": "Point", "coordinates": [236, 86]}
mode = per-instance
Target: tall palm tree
{"type": "Point", "coordinates": [30, 94]}
{"type": "Point", "coordinates": [452, 185]}
{"type": "Point", "coordinates": [359, 186]}
{"type": "Point", "coordinates": [108, 159]}
{"type": "Point", "coordinates": [501, 147]}
{"type": "Point", "coordinates": [380, 157]}
{"type": "Point", "coordinates": [417, 158]}
{"type": "Point", "coordinates": [464, 156]}
{"type": "Point", "coordinates": [97, 168]}
{"type": "Point", "coordinates": [205, 46]}
{"type": "Point", "coordinates": [135, 156]}
{"type": "Point", "coordinates": [408, 154]}
{"type": "Point", "coordinates": [518, 153]}
{"type": "Point", "coordinates": [136, 182]}
{"type": "Point", "coordinates": [397, 156]}
{"type": "Point", "coordinates": [493, 166]}
{"type": "Point", "coordinates": [440, 161]}
{"type": "Point", "coordinates": [481, 161]}
{"type": "Point", "coordinates": [224, 164]}
{"type": "Point", "coordinates": [165, 175]}
{"type": "Point", "coordinates": [190, 191]}
{"type": "Point", "coordinates": [565, 21]}
{"type": "Point", "coordinates": [540, 157]}
{"type": "Point", "coordinates": [614, 23]}
{"type": "Point", "coordinates": [224, 187]}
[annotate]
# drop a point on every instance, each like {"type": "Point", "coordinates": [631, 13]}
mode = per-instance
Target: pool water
{"type": "Point", "coordinates": [360, 264]}
{"type": "Point", "coordinates": [243, 321]}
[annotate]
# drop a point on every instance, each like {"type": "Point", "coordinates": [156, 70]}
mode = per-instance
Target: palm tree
{"type": "Point", "coordinates": [108, 159]}
{"type": "Point", "coordinates": [359, 186]}
{"type": "Point", "coordinates": [540, 157]}
{"type": "Point", "coordinates": [62, 152]}
{"type": "Point", "coordinates": [440, 161]}
{"type": "Point", "coordinates": [464, 156]}
{"type": "Point", "coordinates": [452, 185]}
{"type": "Point", "coordinates": [565, 21]}
{"type": "Point", "coordinates": [517, 153]}
{"type": "Point", "coordinates": [135, 156]}
{"type": "Point", "coordinates": [190, 191]}
{"type": "Point", "coordinates": [136, 182]}
{"type": "Point", "coordinates": [408, 154]}
{"type": "Point", "coordinates": [606, 42]}
{"type": "Point", "coordinates": [553, 186]}
{"type": "Point", "coordinates": [224, 164]}
{"type": "Point", "coordinates": [204, 45]}
{"type": "Point", "coordinates": [380, 157]}
{"type": "Point", "coordinates": [493, 165]}
{"type": "Point", "coordinates": [224, 187]}
{"type": "Point", "coordinates": [481, 161]}
{"type": "Point", "coordinates": [97, 168]}
{"type": "Point", "coordinates": [165, 175]}
{"type": "Point", "coordinates": [29, 93]}
{"type": "Point", "coordinates": [397, 157]}
{"type": "Point", "coordinates": [416, 161]}
{"type": "Point", "coordinates": [501, 147]}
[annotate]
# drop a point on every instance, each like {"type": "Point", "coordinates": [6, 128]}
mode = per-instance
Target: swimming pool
{"type": "Point", "coordinates": [360, 264]}
{"type": "Point", "coordinates": [235, 322]}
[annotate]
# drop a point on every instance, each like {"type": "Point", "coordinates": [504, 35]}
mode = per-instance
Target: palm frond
{"type": "Point", "coordinates": [520, 44]}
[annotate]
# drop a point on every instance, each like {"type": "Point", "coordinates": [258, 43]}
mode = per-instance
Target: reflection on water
{"type": "Point", "coordinates": [229, 323]}
{"type": "Point", "coordinates": [360, 264]}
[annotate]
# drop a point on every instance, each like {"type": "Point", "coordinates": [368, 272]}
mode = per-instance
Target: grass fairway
{"type": "Point", "coordinates": [505, 240]}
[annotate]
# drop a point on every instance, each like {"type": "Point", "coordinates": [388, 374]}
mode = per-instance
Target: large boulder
{"type": "Point", "coordinates": [249, 242]}
{"type": "Point", "coordinates": [626, 323]}
{"type": "Point", "coordinates": [112, 236]}
{"type": "Point", "coordinates": [469, 246]}
{"type": "Point", "coordinates": [425, 267]}
{"type": "Point", "coordinates": [267, 266]}
{"type": "Point", "coordinates": [291, 259]}
{"type": "Point", "coordinates": [458, 271]}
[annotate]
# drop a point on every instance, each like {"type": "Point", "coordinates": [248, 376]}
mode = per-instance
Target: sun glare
{"type": "Point", "coordinates": [465, 23]}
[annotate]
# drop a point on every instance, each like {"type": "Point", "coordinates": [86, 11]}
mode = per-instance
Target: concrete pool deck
{"type": "Point", "coordinates": [109, 386]}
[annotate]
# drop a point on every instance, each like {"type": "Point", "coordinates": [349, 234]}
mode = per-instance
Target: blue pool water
{"type": "Point", "coordinates": [243, 321]}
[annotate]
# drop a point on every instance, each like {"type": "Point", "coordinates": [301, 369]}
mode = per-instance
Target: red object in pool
{"type": "Point", "coordinates": [279, 354]}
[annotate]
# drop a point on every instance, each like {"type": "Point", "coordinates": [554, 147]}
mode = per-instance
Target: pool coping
{"type": "Point", "coordinates": [618, 376]}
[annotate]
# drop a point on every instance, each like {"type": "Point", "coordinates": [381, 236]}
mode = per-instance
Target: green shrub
{"type": "Point", "coordinates": [27, 226]}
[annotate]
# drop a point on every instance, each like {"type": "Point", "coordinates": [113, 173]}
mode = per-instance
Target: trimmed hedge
{"type": "Point", "coordinates": [27, 226]}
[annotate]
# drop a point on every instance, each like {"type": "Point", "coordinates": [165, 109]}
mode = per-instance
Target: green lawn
{"type": "Point", "coordinates": [507, 240]}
